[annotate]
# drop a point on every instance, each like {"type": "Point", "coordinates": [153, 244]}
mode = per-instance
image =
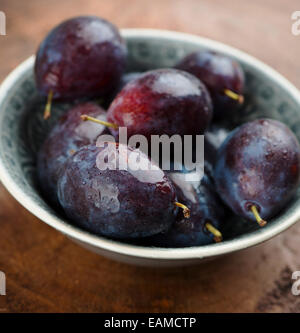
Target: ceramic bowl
{"type": "Point", "coordinates": [22, 130]}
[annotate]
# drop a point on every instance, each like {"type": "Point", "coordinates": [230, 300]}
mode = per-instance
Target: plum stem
{"type": "Point", "coordinates": [47, 112]}
{"type": "Point", "coordinates": [259, 220]}
{"type": "Point", "coordinates": [233, 95]}
{"type": "Point", "coordinates": [186, 210]}
{"type": "Point", "coordinates": [85, 117]}
{"type": "Point", "coordinates": [217, 234]}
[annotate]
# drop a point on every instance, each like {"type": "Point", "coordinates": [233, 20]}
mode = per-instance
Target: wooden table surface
{"type": "Point", "coordinates": [46, 272]}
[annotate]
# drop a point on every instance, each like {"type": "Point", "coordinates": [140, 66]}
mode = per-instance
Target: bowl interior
{"type": "Point", "coordinates": [22, 128]}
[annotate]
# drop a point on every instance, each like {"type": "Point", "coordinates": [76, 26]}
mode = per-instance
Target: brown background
{"type": "Point", "coordinates": [46, 272]}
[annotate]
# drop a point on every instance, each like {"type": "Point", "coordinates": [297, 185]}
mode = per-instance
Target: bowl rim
{"type": "Point", "coordinates": [200, 252]}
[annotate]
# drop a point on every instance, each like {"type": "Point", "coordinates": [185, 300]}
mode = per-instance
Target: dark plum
{"type": "Point", "coordinates": [257, 169]}
{"type": "Point", "coordinates": [206, 217]}
{"type": "Point", "coordinates": [164, 101]}
{"type": "Point", "coordinates": [120, 202]}
{"type": "Point", "coordinates": [82, 57]}
{"type": "Point", "coordinates": [70, 134]}
{"type": "Point", "coordinates": [222, 75]}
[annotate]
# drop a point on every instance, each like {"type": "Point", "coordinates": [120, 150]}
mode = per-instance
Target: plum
{"type": "Point", "coordinates": [257, 169]}
{"type": "Point", "coordinates": [117, 201]}
{"type": "Point", "coordinates": [206, 216]}
{"type": "Point", "coordinates": [163, 101]}
{"type": "Point", "coordinates": [223, 77]}
{"type": "Point", "coordinates": [82, 57]}
{"type": "Point", "coordinates": [70, 134]}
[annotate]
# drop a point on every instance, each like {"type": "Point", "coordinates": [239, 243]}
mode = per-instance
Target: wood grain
{"type": "Point", "coordinates": [46, 272]}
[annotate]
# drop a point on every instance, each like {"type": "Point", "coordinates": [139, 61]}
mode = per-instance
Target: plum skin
{"type": "Point", "coordinates": [205, 207]}
{"type": "Point", "coordinates": [69, 134]}
{"type": "Point", "coordinates": [163, 101]}
{"type": "Point", "coordinates": [82, 57]}
{"type": "Point", "coordinates": [258, 164]}
{"type": "Point", "coordinates": [217, 72]}
{"type": "Point", "coordinates": [115, 203]}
